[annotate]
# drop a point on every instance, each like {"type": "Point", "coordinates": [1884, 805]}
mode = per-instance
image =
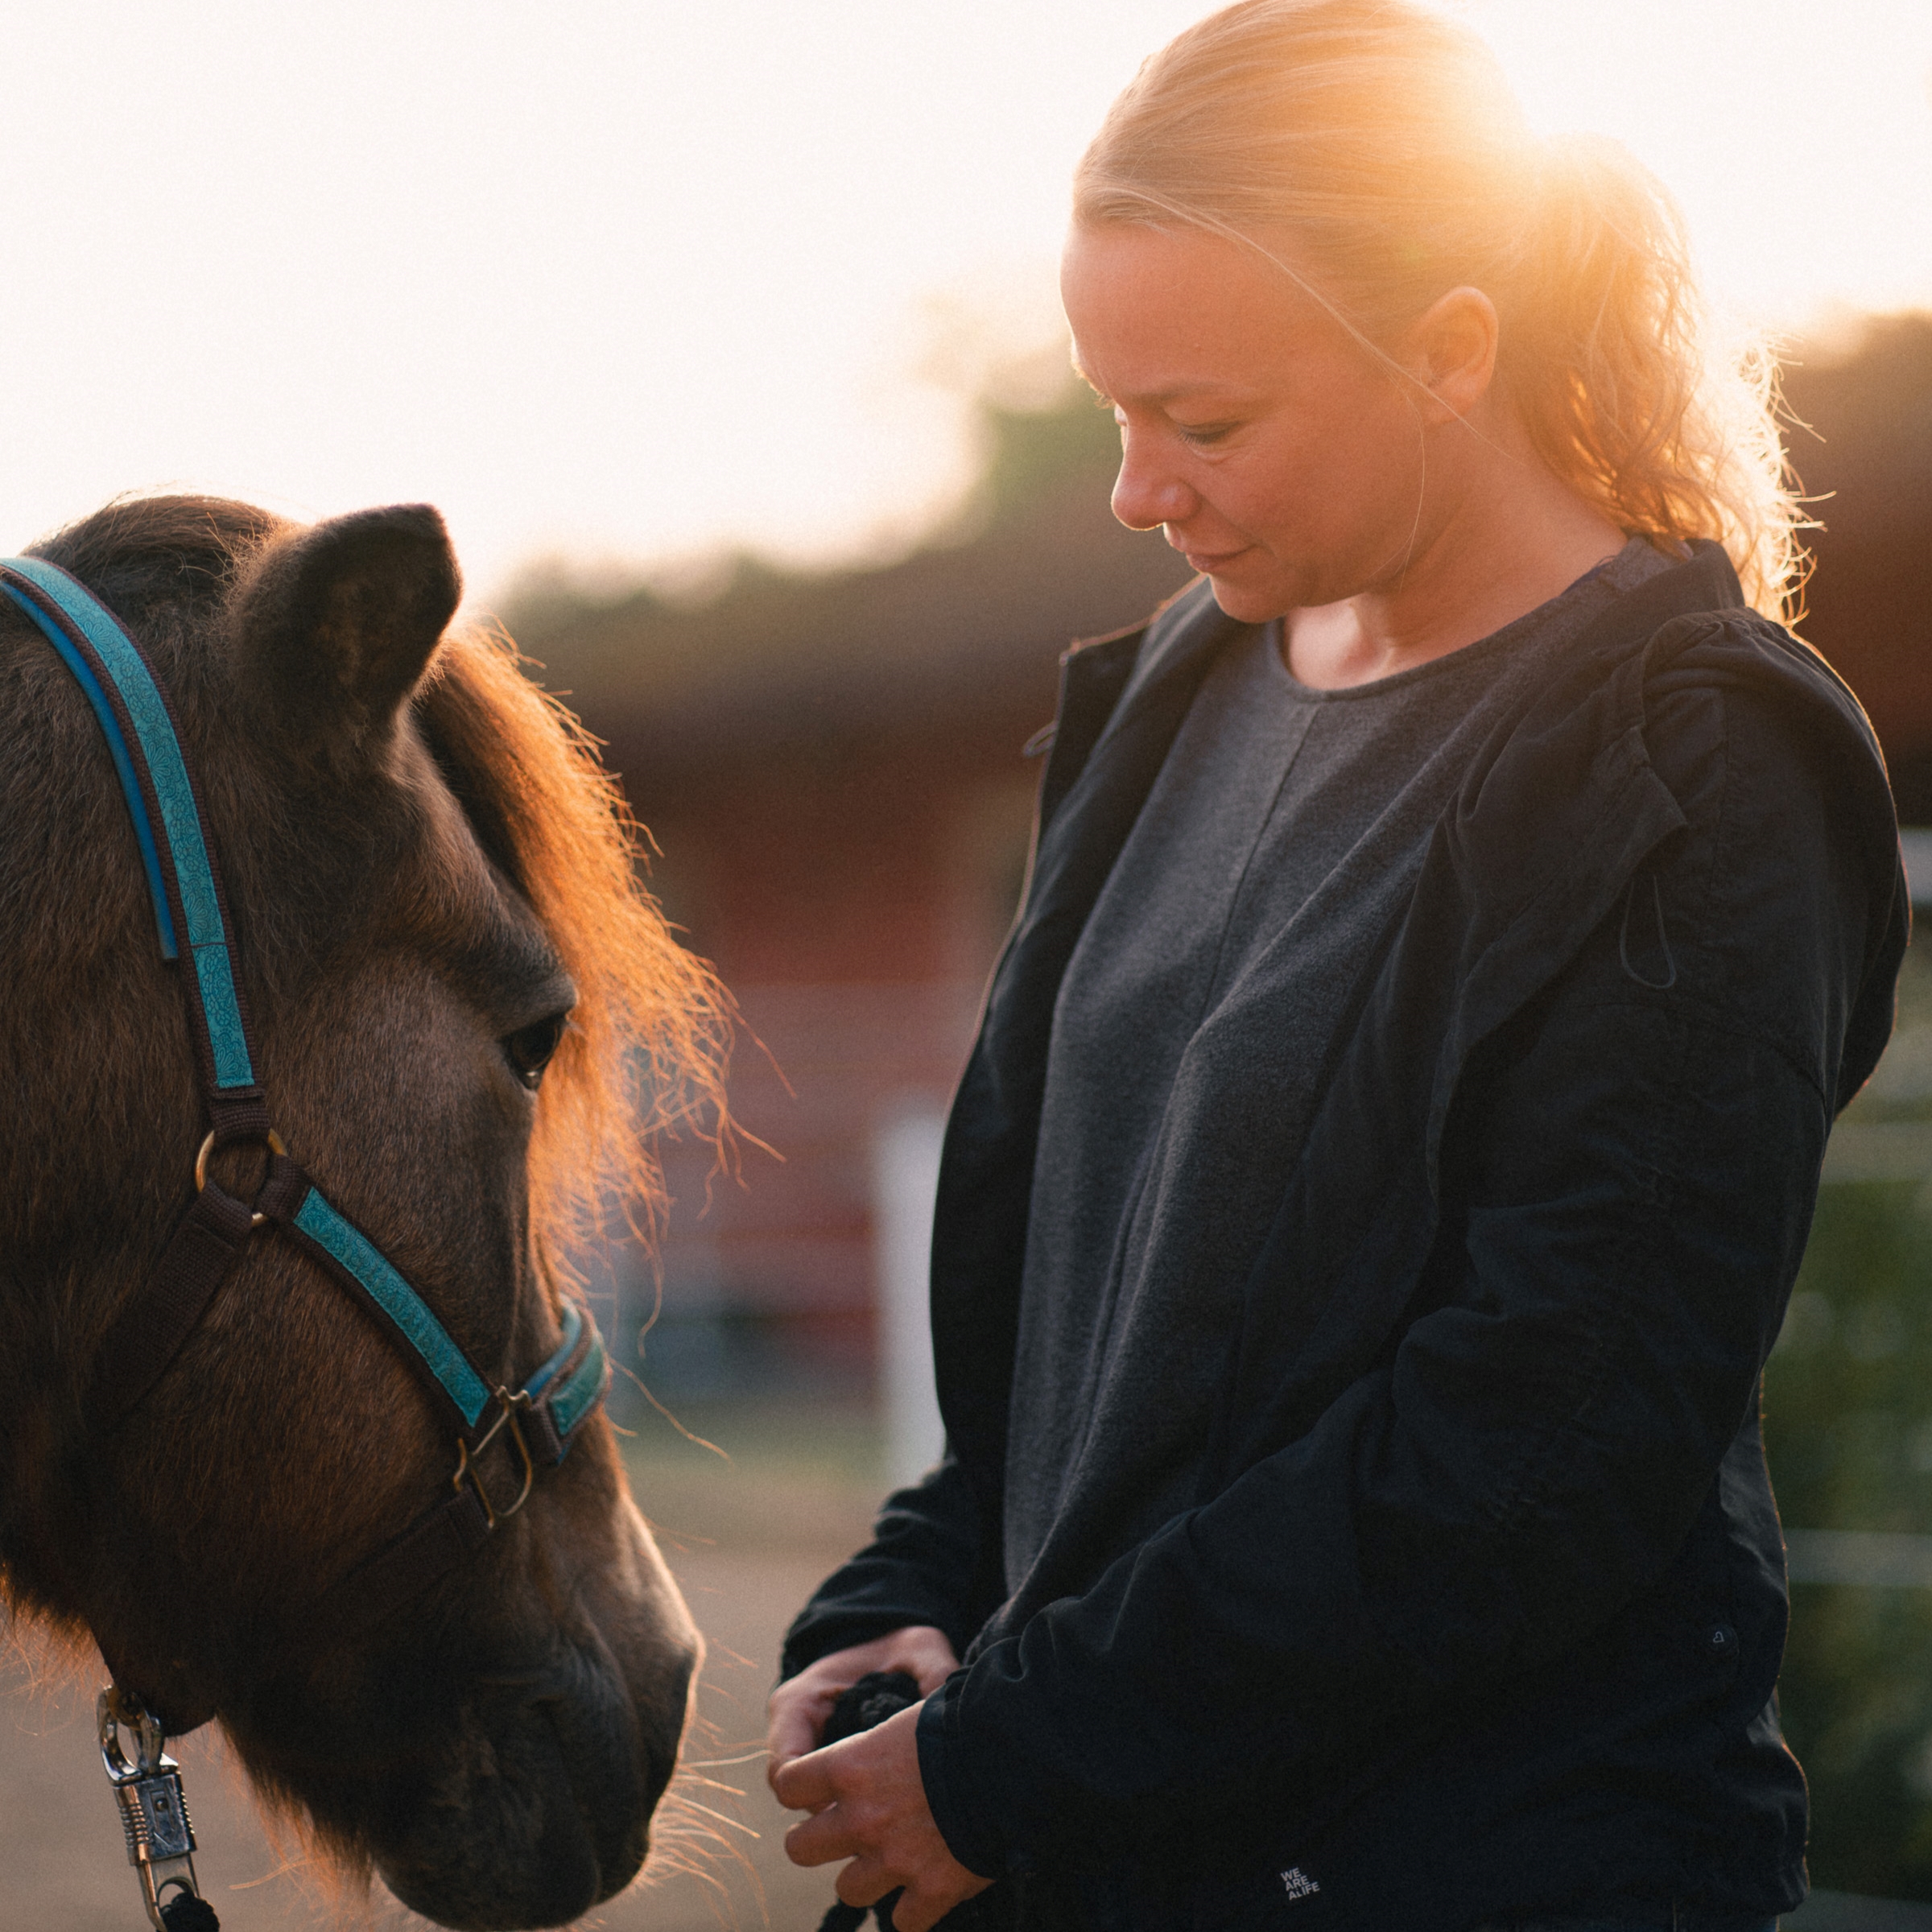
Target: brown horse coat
{"type": "Point", "coordinates": [430, 889]}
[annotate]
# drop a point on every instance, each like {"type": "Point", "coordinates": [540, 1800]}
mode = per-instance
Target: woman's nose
{"type": "Point", "coordinates": [1147, 493]}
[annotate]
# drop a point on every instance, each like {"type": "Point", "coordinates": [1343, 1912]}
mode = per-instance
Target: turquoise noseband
{"type": "Point", "coordinates": [541, 1418]}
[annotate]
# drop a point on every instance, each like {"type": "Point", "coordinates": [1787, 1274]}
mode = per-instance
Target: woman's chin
{"type": "Point", "coordinates": [1248, 602]}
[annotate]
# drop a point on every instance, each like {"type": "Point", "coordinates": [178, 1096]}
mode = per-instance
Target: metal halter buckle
{"type": "Point", "coordinates": [208, 1147]}
{"type": "Point", "coordinates": [467, 1458]}
{"type": "Point", "coordinates": [154, 1814]}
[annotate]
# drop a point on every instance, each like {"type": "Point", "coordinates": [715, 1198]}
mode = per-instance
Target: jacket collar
{"type": "Point", "coordinates": [1193, 623]}
{"type": "Point", "coordinates": [1189, 627]}
{"type": "Point", "coordinates": [1111, 766]}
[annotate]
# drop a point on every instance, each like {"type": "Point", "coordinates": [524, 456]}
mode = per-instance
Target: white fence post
{"type": "Point", "coordinates": [904, 1177]}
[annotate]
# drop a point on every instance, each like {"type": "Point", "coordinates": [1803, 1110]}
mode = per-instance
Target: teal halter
{"type": "Point", "coordinates": [543, 1416]}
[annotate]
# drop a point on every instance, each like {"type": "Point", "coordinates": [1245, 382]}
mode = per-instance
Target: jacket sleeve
{"type": "Point", "coordinates": [1629, 1182]}
{"type": "Point", "coordinates": [921, 1566]}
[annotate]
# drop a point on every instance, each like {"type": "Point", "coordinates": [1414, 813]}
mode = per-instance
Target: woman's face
{"type": "Point", "coordinates": [1280, 458]}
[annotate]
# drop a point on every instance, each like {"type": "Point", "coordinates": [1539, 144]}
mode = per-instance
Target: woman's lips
{"type": "Point", "coordinates": [1207, 562]}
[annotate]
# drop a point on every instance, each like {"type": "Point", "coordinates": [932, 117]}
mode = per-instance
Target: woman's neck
{"type": "Point", "coordinates": [1506, 537]}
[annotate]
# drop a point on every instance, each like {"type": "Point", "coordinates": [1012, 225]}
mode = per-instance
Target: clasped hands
{"type": "Point", "coordinates": [867, 1801]}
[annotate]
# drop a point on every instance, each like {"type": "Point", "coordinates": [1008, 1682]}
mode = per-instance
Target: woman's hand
{"type": "Point", "coordinates": [800, 1706]}
{"type": "Point", "coordinates": [868, 1805]}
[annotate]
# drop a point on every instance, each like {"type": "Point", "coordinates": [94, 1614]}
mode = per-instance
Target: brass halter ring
{"type": "Point", "coordinates": [508, 1404]}
{"type": "Point", "coordinates": [208, 1147]}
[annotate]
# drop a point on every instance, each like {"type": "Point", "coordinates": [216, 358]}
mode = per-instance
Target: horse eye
{"type": "Point", "coordinates": [529, 1049]}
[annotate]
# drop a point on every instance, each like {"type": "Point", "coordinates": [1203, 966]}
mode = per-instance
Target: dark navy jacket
{"type": "Point", "coordinates": [1482, 1605]}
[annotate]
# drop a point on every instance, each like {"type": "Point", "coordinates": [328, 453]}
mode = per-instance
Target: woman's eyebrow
{"type": "Point", "coordinates": [1173, 393]}
{"type": "Point", "coordinates": [1223, 392]}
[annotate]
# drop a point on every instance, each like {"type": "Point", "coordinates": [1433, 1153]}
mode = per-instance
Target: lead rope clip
{"type": "Point", "coordinates": [154, 1814]}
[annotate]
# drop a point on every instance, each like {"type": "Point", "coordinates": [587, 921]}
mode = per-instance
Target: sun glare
{"type": "Point", "coordinates": [1798, 139]}
{"type": "Point", "coordinates": [623, 280]}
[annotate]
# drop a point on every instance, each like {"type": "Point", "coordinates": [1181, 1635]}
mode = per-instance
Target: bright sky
{"type": "Point", "coordinates": [623, 279]}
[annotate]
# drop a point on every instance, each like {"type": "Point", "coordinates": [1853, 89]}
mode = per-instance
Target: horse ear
{"type": "Point", "coordinates": [339, 620]}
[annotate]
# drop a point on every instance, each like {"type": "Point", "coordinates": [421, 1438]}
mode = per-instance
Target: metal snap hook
{"type": "Point", "coordinates": [154, 1813]}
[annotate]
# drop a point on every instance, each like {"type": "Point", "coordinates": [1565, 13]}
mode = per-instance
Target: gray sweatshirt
{"type": "Point", "coordinates": [1280, 839]}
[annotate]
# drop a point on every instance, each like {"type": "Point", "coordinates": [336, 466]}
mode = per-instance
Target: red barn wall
{"type": "Point", "coordinates": [854, 906]}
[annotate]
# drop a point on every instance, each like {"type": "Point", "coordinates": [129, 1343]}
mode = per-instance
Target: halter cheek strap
{"type": "Point", "coordinates": [542, 1418]}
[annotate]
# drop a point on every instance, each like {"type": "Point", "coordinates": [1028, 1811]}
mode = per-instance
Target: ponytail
{"type": "Point", "coordinates": [1622, 389]}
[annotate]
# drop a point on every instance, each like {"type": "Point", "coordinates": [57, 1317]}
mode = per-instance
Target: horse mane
{"type": "Point", "coordinates": [645, 1053]}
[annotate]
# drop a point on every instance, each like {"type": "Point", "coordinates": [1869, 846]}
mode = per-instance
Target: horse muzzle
{"type": "Point", "coordinates": [540, 1807]}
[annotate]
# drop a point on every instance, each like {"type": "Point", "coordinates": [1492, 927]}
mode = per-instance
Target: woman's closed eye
{"type": "Point", "coordinates": [529, 1049]}
{"type": "Point", "coordinates": [1204, 435]}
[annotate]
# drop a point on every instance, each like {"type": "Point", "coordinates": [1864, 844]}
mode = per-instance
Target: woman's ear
{"type": "Point", "coordinates": [1450, 350]}
{"type": "Point", "coordinates": [336, 623]}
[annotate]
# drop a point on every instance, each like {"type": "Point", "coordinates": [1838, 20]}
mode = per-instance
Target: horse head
{"type": "Point", "coordinates": [459, 996]}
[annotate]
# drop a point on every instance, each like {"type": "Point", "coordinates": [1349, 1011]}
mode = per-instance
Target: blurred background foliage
{"type": "Point", "coordinates": [1848, 1430]}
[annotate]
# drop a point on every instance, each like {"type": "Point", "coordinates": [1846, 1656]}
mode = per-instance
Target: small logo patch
{"type": "Point", "coordinates": [1299, 1884]}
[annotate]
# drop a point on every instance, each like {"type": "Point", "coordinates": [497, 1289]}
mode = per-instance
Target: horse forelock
{"type": "Point", "coordinates": [137, 553]}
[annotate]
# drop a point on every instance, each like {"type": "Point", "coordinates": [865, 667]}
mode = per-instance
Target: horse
{"type": "Point", "coordinates": [471, 1021]}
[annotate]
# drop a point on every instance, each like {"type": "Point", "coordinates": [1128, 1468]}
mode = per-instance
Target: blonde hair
{"type": "Point", "coordinates": [1384, 138]}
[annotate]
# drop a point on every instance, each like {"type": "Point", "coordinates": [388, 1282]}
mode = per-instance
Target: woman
{"type": "Point", "coordinates": [1396, 1121]}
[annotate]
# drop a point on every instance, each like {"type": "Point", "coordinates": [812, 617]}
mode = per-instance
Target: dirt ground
{"type": "Point", "coordinates": [748, 1541]}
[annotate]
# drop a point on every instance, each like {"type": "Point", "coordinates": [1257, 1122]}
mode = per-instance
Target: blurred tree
{"type": "Point", "coordinates": [1034, 454]}
{"type": "Point", "coordinates": [746, 659]}
{"type": "Point", "coordinates": [1864, 455]}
